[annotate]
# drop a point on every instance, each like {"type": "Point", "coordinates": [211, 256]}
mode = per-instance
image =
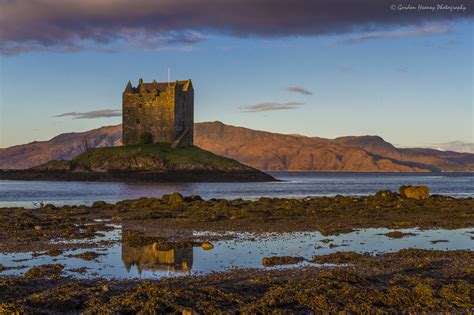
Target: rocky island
{"type": "Point", "coordinates": [157, 162]}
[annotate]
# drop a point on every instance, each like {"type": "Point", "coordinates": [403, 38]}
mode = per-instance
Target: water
{"type": "Point", "coordinates": [243, 250]}
{"type": "Point", "coordinates": [25, 193]}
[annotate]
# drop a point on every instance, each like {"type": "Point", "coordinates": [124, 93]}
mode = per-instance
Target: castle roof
{"type": "Point", "coordinates": [160, 86]}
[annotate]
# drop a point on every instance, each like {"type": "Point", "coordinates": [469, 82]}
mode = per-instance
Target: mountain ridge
{"type": "Point", "coordinates": [260, 149]}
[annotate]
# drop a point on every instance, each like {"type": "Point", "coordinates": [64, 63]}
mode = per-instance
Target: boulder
{"type": "Point", "coordinates": [174, 198]}
{"type": "Point", "coordinates": [415, 192]}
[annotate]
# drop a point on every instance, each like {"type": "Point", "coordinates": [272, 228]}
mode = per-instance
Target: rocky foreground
{"type": "Point", "coordinates": [407, 281]}
{"type": "Point", "coordinates": [31, 229]}
{"type": "Point", "coordinates": [411, 280]}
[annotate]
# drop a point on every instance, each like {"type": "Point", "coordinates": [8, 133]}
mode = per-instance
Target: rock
{"type": "Point", "coordinates": [38, 227]}
{"type": "Point", "coordinates": [54, 252]}
{"type": "Point", "coordinates": [193, 198]}
{"type": "Point", "coordinates": [89, 255]}
{"type": "Point", "coordinates": [280, 260]}
{"type": "Point", "coordinates": [174, 198]}
{"type": "Point", "coordinates": [386, 195]}
{"type": "Point", "coordinates": [398, 234]}
{"type": "Point", "coordinates": [207, 246]}
{"type": "Point", "coordinates": [415, 192]}
{"type": "Point", "coordinates": [50, 271]}
{"type": "Point", "coordinates": [49, 207]}
{"type": "Point", "coordinates": [99, 204]}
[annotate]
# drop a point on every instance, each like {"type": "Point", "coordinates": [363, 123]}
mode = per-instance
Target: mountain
{"type": "Point", "coordinates": [458, 146]}
{"type": "Point", "coordinates": [262, 150]}
{"type": "Point", "coordinates": [66, 146]}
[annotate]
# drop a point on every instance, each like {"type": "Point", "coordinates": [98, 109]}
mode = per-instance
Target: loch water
{"type": "Point", "coordinates": [290, 184]}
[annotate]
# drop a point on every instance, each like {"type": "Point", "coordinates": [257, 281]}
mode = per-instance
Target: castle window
{"type": "Point", "coordinates": [138, 121]}
{"type": "Point", "coordinates": [139, 105]}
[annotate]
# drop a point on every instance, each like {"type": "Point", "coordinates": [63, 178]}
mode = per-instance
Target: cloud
{"type": "Point", "coordinates": [264, 107]}
{"type": "Point", "coordinates": [300, 90]}
{"type": "Point", "coordinates": [51, 25]}
{"type": "Point", "coordinates": [93, 114]}
{"type": "Point", "coordinates": [346, 69]}
{"type": "Point", "coordinates": [413, 32]}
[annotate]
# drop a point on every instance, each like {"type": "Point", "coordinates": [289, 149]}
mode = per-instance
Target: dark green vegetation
{"type": "Point", "coordinates": [145, 162]}
{"type": "Point", "coordinates": [30, 228]}
{"type": "Point", "coordinates": [155, 157]}
{"type": "Point", "coordinates": [409, 281]}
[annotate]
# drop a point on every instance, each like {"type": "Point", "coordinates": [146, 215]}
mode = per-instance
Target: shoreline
{"type": "Point", "coordinates": [138, 176]}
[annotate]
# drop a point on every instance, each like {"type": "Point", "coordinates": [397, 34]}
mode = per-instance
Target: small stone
{"type": "Point", "coordinates": [38, 227]}
{"type": "Point", "coordinates": [207, 246]}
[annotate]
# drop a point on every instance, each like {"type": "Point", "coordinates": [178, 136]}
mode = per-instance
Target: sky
{"type": "Point", "coordinates": [401, 70]}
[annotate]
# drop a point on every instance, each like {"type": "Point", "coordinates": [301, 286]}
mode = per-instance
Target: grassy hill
{"type": "Point", "coordinates": [155, 157]}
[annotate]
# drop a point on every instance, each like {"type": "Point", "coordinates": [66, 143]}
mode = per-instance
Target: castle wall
{"type": "Point", "coordinates": [148, 112]}
{"type": "Point", "coordinates": [184, 115]}
{"type": "Point", "coordinates": [165, 110]}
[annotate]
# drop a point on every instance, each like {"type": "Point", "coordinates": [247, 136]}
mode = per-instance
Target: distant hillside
{"type": "Point", "coordinates": [66, 146]}
{"type": "Point", "coordinates": [262, 150]}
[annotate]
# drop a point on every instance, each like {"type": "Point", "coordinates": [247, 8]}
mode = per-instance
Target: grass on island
{"type": "Point", "coordinates": [188, 156]}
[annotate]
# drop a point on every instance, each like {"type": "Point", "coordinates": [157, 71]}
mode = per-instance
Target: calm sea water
{"type": "Point", "coordinates": [26, 193]}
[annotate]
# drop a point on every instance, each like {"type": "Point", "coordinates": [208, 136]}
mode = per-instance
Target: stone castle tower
{"type": "Point", "coordinates": [159, 112]}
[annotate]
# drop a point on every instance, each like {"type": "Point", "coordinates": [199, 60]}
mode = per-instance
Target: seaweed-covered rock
{"type": "Point", "coordinates": [386, 195]}
{"type": "Point", "coordinates": [99, 204]}
{"type": "Point", "coordinates": [175, 198]}
{"type": "Point", "coordinates": [51, 271]}
{"type": "Point", "coordinates": [415, 192]}
{"type": "Point", "coordinates": [280, 260]}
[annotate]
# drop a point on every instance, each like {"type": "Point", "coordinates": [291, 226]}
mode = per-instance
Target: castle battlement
{"type": "Point", "coordinates": [158, 111]}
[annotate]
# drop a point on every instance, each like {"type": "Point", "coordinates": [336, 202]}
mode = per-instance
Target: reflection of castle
{"type": "Point", "coordinates": [150, 258]}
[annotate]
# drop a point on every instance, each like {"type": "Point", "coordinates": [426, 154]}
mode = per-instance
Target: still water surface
{"type": "Point", "coordinates": [25, 193]}
{"type": "Point", "coordinates": [244, 250]}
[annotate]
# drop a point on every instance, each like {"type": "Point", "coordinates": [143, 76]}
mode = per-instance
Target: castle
{"type": "Point", "coordinates": [158, 112]}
